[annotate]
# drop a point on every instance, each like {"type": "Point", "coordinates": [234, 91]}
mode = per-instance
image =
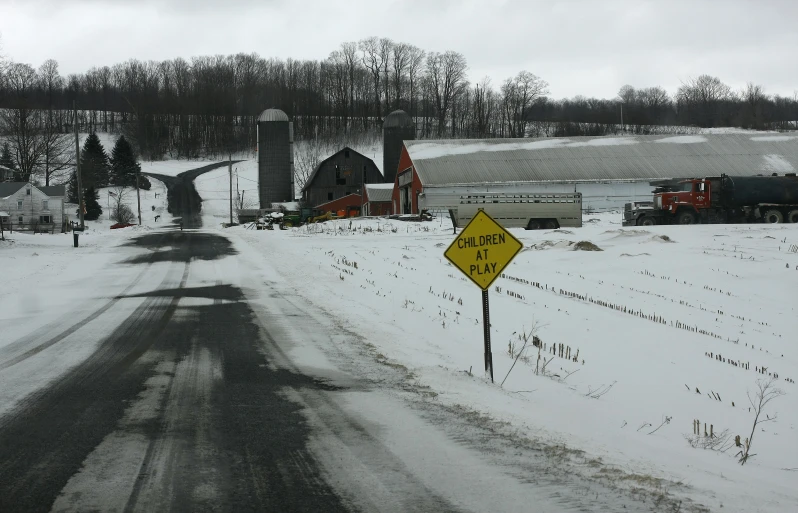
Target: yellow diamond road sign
{"type": "Point", "coordinates": [483, 249]}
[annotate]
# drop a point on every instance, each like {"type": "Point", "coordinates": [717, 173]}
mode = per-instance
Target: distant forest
{"type": "Point", "coordinates": [207, 106]}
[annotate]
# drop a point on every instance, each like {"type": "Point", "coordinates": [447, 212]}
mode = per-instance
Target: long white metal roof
{"type": "Point", "coordinates": [592, 159]}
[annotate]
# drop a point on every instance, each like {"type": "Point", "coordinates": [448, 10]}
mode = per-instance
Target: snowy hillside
{"type": "Point", "coordinates": [660, 328]}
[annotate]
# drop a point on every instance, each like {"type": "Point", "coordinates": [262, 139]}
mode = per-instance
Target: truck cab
{"type": "Point", "coordinates": [686, 203]}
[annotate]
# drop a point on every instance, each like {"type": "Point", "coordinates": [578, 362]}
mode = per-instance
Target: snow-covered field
{"type": "Point", "coordinates": [664, 326]}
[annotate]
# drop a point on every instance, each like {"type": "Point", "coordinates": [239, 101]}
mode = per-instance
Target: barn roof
{"type": "Point", "coordinates": [315, 172]}
{"type": "Point", "coordinates": [379, 191]}
{"type": "Point", "coordinates": [577, 159]}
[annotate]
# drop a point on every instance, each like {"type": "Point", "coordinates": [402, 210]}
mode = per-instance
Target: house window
{"type": "Point", "coordinates": [45, 205]}
{"type": "Point", "coordinates": [19, 204]}
{"type": "Point", "coordinates": [346, 154]}
{"type": "Point", "coordinates": [28, 193]}
{"type": "Point", "coordinates": [19, 220]}
{"type": "Point", "coordinates": [339, 180]}
{"type": "Point", "coordinates": [329, 196]}
{"type": "Point", "coordinates": [44, 219]}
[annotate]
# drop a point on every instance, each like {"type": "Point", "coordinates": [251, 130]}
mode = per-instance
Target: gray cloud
{"type": "Point", "coordinates": [580, 47]}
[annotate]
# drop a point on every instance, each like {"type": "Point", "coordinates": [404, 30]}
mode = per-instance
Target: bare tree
{"type": "Point", "coordinates": [766, 392]}
{"type": "Point", "coordinates": [627, 94]}
{"type": "Point", "coordinates": [754, 97]}
{"type": "Point", "coordinates": [373, 60]}
{"type": "Point", "coordinates": [483, 108]}
{"type": "Point", "coordinates": [415, 62]}
{"type": "Point", "coordinates": [703, 95]}
{"type": "Point", "coordinates": [518, 95]}
{"type": "Point", "coordinates": [400, 62]}
{"type": "Point", "coordinates": [446, 74]}
{"type": "Point", "coordinates": [120, 210]}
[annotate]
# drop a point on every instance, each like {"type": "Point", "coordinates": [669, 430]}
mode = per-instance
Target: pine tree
{"type": "Point", "coordinates": [72, 188]}
{"type": "Point", "coordinates": [94, 167]}
{"type": "Point", "coordinates": [5, 158]}
{"type": "Point", "coordinates": [93, 208]}
{"type": "Point", "coordinates": [124, 166]}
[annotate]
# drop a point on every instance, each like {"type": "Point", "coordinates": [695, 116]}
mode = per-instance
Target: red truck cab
{"type": "Point", "coordinates": [685, 204]}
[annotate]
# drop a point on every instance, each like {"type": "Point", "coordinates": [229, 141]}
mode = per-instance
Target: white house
{"type": "Point", "coordinates": [28, 207]}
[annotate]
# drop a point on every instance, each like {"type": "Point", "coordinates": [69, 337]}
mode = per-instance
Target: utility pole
{"type": "Point", "coordinates": [77, 168]}
{"type": "Point", "coordinates": [138, 194]}
{"type": "Point", "coordinates": [622, 117]}
{"type": "Point", "coordinates": [230, 172]}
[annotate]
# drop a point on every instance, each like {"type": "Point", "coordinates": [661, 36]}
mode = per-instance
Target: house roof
{"type": "Point", "coordinates": [312, 176]}
{"type": "Point", "coordinates": [577, 159]}
{"type": "Point", "coordinates": [54, 190]}
{"type": "Point", "coordinates": [379, 191]}
{"type": "Point", "coordinates": [9, 188]}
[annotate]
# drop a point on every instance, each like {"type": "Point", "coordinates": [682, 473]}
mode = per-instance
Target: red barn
{"type": "Point", "coordinates": [346, 205]}
{"type": "Point", "coordinates": [407, 186]}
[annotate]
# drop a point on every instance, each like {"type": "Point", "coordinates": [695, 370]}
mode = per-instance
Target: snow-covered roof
{"type": "Point", "coordinates": [398, 119]}
{"type": "Point", "coordinates": [3, 213]}
{"type": "Point", "coordinates": [626, 158]}
{"type": "Point", "coordinates": [379, 191]}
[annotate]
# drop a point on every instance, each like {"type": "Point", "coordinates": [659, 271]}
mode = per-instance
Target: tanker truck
{"type": "Point", "coordinates": [723, 199]}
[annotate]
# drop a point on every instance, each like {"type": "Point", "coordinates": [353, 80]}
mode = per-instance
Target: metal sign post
{"type": "Point", "coordinates": [481, 252]}
{"type": "Point", "coordinates": [486, 323]}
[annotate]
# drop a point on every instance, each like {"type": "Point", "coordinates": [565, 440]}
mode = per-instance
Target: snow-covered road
{"type": "Point", "coordinates": [198, 379]}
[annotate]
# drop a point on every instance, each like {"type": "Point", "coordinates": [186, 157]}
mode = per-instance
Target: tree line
{"type": "Point", "coordinates": [207, 106]}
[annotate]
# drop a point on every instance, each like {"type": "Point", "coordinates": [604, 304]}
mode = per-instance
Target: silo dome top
{"type": "Point", "coordinates": [272, 115]}
{"type": "Point", "coordinates": [398, 119]}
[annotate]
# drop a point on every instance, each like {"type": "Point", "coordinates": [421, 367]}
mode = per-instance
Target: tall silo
{"type": "Point", "coordinates": [398, 126]}
{"type": "Point", "coordinates": [275, 158]}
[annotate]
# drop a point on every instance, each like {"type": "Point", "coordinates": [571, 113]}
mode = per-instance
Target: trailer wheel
{"type": "Point", "coordinates": [533, 224]}
{"type": "Point", "coordinates": [773, 216]}
{"type": "Point", "coordinates": [792, 216]}
{"type": "Point", "coordinates": [686, 217]}
{"type": "Point", "coordinates": [550, 225]}
{"type": "Point", "coordinates": [646, 221]}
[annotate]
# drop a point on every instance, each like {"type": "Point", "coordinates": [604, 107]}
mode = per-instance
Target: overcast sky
{"type": "Point", "coordinates": [587, 47]}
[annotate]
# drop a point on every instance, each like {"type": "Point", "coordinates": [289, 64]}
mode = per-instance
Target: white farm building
{"type": "Point", "coordinates": [607, 171]}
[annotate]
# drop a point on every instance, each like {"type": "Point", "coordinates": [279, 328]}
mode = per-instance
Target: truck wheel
{"type": "Point", "coordinates": [773, 216]}
{"type": "Point", "coordinates": [792, 216]}
{"type": "Point", "coordinates": [686, 217]}
{"type": "Point", "coordinates": [550, 225]}
{"type": "Point", "coordinates": [646, 221]}
{"type": "Point", "coordinates": [533, 224]}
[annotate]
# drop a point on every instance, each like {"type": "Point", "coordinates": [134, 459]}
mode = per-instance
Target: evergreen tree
{"type": "Point", "coordinates": [93, 208]}
{"type": "Point", "coordinates": [5, 157]}
{"type": "Point", "coordinates": [124, 166]}
{"type": "Point", "coordinates": [72, 188]}
{"type": "Point", "coordinates": [94, 167]}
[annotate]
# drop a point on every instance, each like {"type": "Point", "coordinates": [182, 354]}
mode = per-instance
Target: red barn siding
{"type": "Point", "coordinates": [415, 187]}
{"type": "Point", "coordinates": [345, 203]}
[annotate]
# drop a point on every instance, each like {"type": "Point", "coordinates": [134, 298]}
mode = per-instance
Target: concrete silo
{"type": "Point", "coordinates": [275, 158]}
{"type": "Point", "coordinates": [398, 126]}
